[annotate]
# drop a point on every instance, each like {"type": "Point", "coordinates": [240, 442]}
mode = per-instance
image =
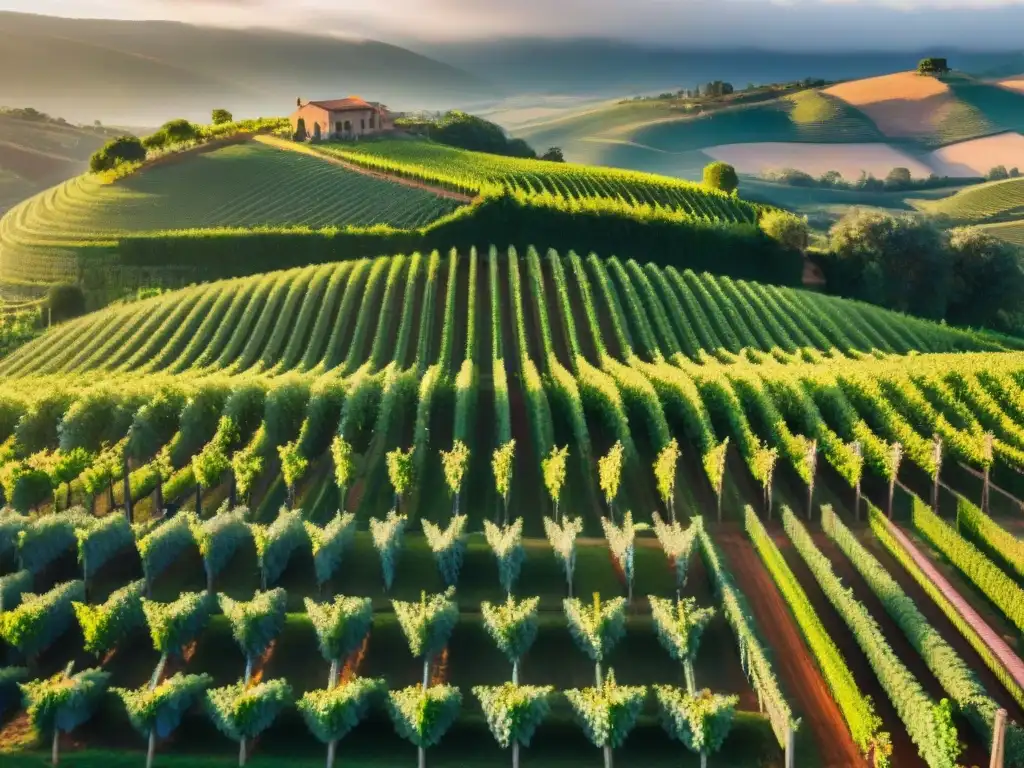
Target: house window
{"type": "Point", "coordinates": [362, 124]}
{"type": "Point", "coordinates": [337, 127]}
{"type": "Point", "coordinates": [373, 120]}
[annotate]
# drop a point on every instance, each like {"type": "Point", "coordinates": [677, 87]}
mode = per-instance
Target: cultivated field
{"type": "Point", "coordinates": [979, 156]}
{"type": "Point", "coordinates": [997, 200]}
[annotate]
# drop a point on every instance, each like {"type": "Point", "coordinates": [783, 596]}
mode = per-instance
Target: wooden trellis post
{"type": "Point", "coordinates": [987, 449]}
{"type": "Point", "coordinates": [937, 458]}
{"type": "Point", "coordinates": [858, 452]}
{"type": "Point", "coordinates": [998, 740]}
{"type": "Point", "coordinates": [790, 747]}
{"type": "Point", "coordinates": [812, 467]}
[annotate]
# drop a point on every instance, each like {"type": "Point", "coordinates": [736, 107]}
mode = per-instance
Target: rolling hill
{"type": "Point", "coordinates": [952, 125]}
{"type": "Point", "coordinates": [37, 153]}
{"type": "Point", "coordinates": [224, 210]}
{"type": "Point", "coordinates": [145, 73]}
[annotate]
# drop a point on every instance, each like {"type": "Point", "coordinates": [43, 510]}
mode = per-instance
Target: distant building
{"type": "Point", "coordinates": [342, 118]}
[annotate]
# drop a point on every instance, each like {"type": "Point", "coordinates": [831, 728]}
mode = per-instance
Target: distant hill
{"type": "Point", "coordinates": [145, 72]}
{"type": "Point", "coordinates": [37, 151]}
{"type": "Point", "coordinates": [957, 125]}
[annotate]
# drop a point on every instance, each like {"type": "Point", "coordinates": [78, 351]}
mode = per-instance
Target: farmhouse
{"type": "Point", "coordinates": [342, 118]}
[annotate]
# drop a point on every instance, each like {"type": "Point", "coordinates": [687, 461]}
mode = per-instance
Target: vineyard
{"type": "Point", "coordinates": [516, 492]}
{"type": "Point", "coordinates": [240, 186]}
{"type": "Point", "coordinates": [998, 200]}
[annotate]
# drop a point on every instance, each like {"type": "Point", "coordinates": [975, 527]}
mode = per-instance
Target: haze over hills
{"type": "Point", "coordinates": [145, 72]}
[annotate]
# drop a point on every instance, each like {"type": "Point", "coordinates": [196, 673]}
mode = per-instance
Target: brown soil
{"type": "Point", "coordinates": [975, 752]}
{"type": "Point", "coordinates": [799, 676]}
{"type": "Point", "coordinates": [439, 191]}
{"type": "Point", "coordinates": [904, 751]}
{"type": "Point", "coordinates": [949, 632]}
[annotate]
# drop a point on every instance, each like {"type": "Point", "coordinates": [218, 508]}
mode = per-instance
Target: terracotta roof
{"type": "Point", "coordinates": [340, 105]}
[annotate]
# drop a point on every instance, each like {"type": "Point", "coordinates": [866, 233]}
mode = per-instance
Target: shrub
{"type": "Point", "coordinates": [65, 302]}
{"type": "Point", "coordinates": [123, 149]}
{"type": "Point", "coordinates": [719, 175]}
{"type": "Point", "coordinates": [791, 231]}
{"type": "Point", "coordinates": [988, 278]}
{"type": "Point", "coordinates": [932, 66]}
{"type": "Point", "coordinates": [554, 155]}
{"type": "Point", "coordinates": [221, 116]}
{"type": "Point", "coordinates": [180, 130]}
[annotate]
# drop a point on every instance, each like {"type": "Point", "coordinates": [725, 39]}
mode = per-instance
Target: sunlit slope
{"type": "Point", "coordinates": [246, 185]}
{"type": "Point", "coordinates": [345, 316]}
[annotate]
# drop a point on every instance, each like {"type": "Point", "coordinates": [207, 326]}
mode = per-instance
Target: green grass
{"type": "Point", "coordinates": [983, 203]}
{"type": "Point", "coordinates": [247, 185]}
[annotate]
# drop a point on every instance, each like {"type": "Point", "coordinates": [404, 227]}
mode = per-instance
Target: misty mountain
{"type": "Point", "coordinates": [144, 72]}
{"type": "Point", "coordinates": [612, 68]}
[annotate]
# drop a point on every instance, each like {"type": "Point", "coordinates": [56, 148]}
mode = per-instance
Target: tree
{"type": "Point", "coordinates": [107, 624]}
{"type": "Point", "coordinates": [65, 302]}
{"type": "Point", "coordinates": [423, 715]}
{"type": "Point", "coordinates": [789, 230]}
{"type": "Point", "coordinates": [562, 537]}
{"type": "Point", "coordinates": [678, 545]}
{"type": "Point", "coordinates": [293, 467]}
{"type": "Point", "coordinates": [513, 713]}
{"type": "Point", "coordinates": [997, 173]}
{"type": "Point", "coordinates": [255, 624]}
{"type": "Point", "coordinates": [665, 467]}
{"type": "Point", "coordinates": [609, 470]}
{"type": "Point", "coordinates": [554, 155]}
{"type": "Point", "coordinates": [763, 469]}
{"type": "Point", "coordinates": [899, 262]}
{"type": "Point", "coordinates": [217, 539]}
{"type": "Point", "coordinates": [276, 542]}
{"type": "Point", "coordinates": [513, 627]}
{"type": "Point", "coordinates": [721, 176]}
{"type": "Point", "coordinates": [123, 149]}
{"type": "Point", "coordinates": [67, 467]}
{"type": "Point", "coordinates": [427, 625]}
{"type": "Point", "coordinates": [455, 463]}
{"type": "Point", "coordinates": [317, 135]}
{"type": "Point", "coordinates": [156, 712]}
{"type": "Point", "coordinates": [332, 713]}
{"type": "Point", "coordinates": [174, 625]}
{"type": "Point", "coordinates": [714, 467]}
{"type": "Point", "coordinates": [607, 713]}
{"type": "Point", "coordinates": [553, 469]}
{"type": "Point", "coordinates": [507, 544]}
{"type": "Point", "coordinates": [400, 472]}
{"type": "Point", "coordinates": [700, 721]}
{"type": "Point", "coordinates": [341, 625]}
{"type": "Point", "coordinates": [300, 130]}
{"type": "Point", "coordinates": [932, 66]}
{"type": "Point", "coordinates": [63, 702]}
{"type": "Point", "coordinates": [899, 178]}
{"type": "Point", "coordinates": [242, 713]}
{"type": "Point", "coordinates": [448, 545]}
{"type": "Point", "coordinates": [387, 540]}
{"type": "Point", "coordinates": [502, 465]}
{"type": "Point", "coordinates": [208, 467]}
{"type": "Point", "coordinates": [680, 626]}
{"type": "Point", "coordinates": [329, 544]}
{"type": "Point", "coordinates": [344, 466]}
{"type": "Point", "coordinates": [179, 131]}
{"type": "Point", "coordinates": [221, 116]}
{"type": "Point", "coordinates": [597, 627]}
{"type": "Point", "coordinates": [622, 543]}
{"type": "Point", "coordinates": [893, 459]}
{"type": "Point", "coordinates": [988, 279]}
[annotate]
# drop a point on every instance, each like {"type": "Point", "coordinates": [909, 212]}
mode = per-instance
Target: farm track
{"type": "Point", "coordinates": [975, 753]}
{"type": "Point", "coordinates": [831, 742]}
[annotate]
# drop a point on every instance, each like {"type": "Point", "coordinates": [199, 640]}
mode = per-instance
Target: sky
{"type": "Point", "coordinates": [850, 24]}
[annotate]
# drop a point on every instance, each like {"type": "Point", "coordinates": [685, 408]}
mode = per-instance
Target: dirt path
{"type": "Point", "coordinates": [822, 721]}
{"type": "Point", "coordinates": [975, 750]}
{"type": "Point", "coordinates": [291, 146]}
